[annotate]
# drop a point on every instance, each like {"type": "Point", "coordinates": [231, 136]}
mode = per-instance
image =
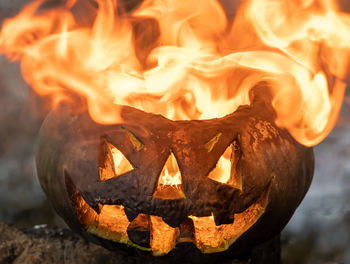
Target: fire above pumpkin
{"type": "Point", "coordinates": [187, 60]}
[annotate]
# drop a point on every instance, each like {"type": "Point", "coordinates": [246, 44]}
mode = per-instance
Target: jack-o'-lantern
{"type": "Point", "coordinates": [153, 183]}
{"type": "Point", "coordinates": [219, 169]}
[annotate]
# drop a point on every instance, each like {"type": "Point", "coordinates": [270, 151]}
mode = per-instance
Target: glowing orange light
{"type": "Point", "coordinates": [202, 65]}
{"type": "Point", "coordinates": [170, 174]}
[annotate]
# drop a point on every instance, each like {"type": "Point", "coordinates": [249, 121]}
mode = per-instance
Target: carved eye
{"type": "Point", "coordinates": [226, 169]}
{"type": "Point", "coordinates": [113, 163]}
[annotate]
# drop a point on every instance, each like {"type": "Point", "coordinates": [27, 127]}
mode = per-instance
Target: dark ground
{"type": "Point", "coordinates": [43, 244]}
{"type": "Point", "coordinates": [318, 233]}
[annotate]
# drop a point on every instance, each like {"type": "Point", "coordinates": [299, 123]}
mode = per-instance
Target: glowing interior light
{"type": "Point", "coordinates": [114, 163]}
{"type": "Point", "coordinates": [170, 174]}
{"type": "Point", "coordinates": [222, 171]}
{"type": "Point", "coordinates": [121, 164]}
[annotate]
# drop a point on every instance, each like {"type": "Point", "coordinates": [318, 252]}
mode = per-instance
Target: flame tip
{"type": "Point", "coordinates": [184, 66]}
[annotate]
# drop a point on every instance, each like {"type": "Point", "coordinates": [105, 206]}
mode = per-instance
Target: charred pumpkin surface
{"type": "Point", "coordinates": [153, 183]}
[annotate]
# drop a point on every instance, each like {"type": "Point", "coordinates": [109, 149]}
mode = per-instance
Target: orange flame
{"type": "Point", "coordinates": [193, 62]}
{"type": "Point", "coordinates": [170, 174]}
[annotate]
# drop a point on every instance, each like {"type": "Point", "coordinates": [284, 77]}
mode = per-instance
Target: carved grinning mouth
{"type": "Point", "coordinates": [151, 233]}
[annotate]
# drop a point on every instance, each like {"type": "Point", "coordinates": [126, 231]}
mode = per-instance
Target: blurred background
{"type": "Point", "coordinates": [319, 232]}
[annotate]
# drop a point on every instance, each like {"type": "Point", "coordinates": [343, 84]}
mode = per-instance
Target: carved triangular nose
{"type": "Point", "coordinates": [169, 184]}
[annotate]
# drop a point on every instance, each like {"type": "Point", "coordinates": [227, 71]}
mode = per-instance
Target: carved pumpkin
{"type": "Point", "coordinates": [152, 183]}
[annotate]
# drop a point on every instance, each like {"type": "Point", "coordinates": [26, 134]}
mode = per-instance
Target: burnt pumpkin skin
{"type": "Point", "coordinates": [270, 161]}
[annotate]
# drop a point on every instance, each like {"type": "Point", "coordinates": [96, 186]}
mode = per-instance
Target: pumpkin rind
{"type": "Point", "coordinates": [270, 161]}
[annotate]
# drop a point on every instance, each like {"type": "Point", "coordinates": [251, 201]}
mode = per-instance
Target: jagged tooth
{"type": "Point", "coordinates": [93, 204]}
{"type": "Point", "coordinates": [95, 207]}
{"type": "Point", "coordinates": [130, 214]}
{"type": "Point", "coordinates": [221, 218]}
{"type": "Point", "coordinates": [163, 236]}
{"type": "Point", "coordinates": [208, 237]}
{"type": "Point", "coordinates": [139, 230]}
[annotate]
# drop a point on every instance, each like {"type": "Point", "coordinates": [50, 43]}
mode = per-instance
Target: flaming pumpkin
{"type": "Point", "coordinates": [218, 165]}
{"type": "Point", "coordinates": [154, 183]}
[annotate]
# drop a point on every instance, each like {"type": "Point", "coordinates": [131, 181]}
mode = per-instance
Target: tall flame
{"type": "Point", "coordinates": [188, 59]}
